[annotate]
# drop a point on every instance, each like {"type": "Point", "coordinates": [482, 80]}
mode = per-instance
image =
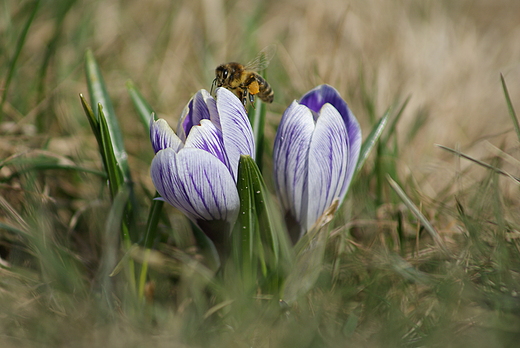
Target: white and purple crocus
{"type": "Point", "coordinates": [315, 155]}
{"type": "Point", "coordinates": [196, 169]}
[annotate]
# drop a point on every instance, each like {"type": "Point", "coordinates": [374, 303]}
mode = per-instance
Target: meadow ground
{"type": "Point", "coordinates": [383, 282]}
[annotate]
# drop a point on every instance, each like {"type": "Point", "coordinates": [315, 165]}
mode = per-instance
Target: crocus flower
{"type": "Point", "coordinates": [315, 154]}
{"type": "Point", "coordinates": [196, 169]}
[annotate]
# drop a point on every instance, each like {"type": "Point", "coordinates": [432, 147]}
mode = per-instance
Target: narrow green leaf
{"type": "Point", "coordinates": [207, 248]}
{"type": "Point", "coordinates": [39, 166]}
{"type": "Point", "coordinates": [483, 164]}
{"type": "Point", "coordinates": [243, 235]}
{"type": "Point", "coordinates": [142, 106]}
{"type": "Point", "coordinates": [115, 175]}
{"type": "Point", "coordinates": [371, 140]}
{"type": "Point", "coordinates": [153, 221]}
{"type": "Point", "coordinates": [13, 229]}
{"type": "Point", "coordinates": [310, 251]}
{"type": "Point", "coordinates": [110, 243]}
{"type": "Point", "coordinates": [99, 95]}
{"type": "Point", "coordinates": [43, 119]}
{"type": "Point", "coordinates": [19, 45]}
{"type": "Point", "coordinates": [260, 240]}
{"type": "Point", "coordinates": [257, 119]}
{"type": "Point", "coordinates": [413, 208]}
{"type": "Point", "coordinates": [100, 129]}
{"type": "Point", "coordinates": [115, 172]}
{"type": "Point", "coordinates": [510, 107]}
{"type": "Point", "coordinates": [395, 120]}
{"type": "Point", "coordinates": [92, 119]}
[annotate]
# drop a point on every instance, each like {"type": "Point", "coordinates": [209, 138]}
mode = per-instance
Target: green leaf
{"type": "Point", "coordinates": [310, 251]}
{"type": "Point", "coordinates": [100, 130]}
{"type": "Point", "coordinates": [257, 119]}
{"type": "Point", "coordinates": [99, 95]}
{"type": "Point", "coordinates": [115, 175]}
{"type": "Point", "coordinates": [413, 208]}
{"type": "Point", "coordinates": [371, 140]}
{"type": "Point", "coordinates": [153, 221]}
{"type": "Point", "coordinates": [92, 119]}
{"type": "Point", "coordinates": [207, 248]}
{"type": "Point", "coordinates": [110, 243]}
{"type": "Point", "coordinates": [142, 106]}
{"type": "Point", "coordinates": [510, 108]}
{"type": "Point", "coordinates": [480, 163]}
{"type": "Point", "coordinates": [19, 45]}
{"type": "Point", "coordinates": [260, 242]}
{"type": "Point", "coordinates": [395, 120]}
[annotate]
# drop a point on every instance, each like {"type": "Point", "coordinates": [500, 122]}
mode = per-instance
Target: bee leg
{"type": "Point", "coordinates": [213, 84]}
{"type": "Point", "coordinates": [252, 100]}
{"type": "Point", "coordinates": [244, 97]}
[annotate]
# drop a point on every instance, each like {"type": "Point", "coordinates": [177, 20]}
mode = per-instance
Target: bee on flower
{"type": "Point", "coordinates": [195, 170]}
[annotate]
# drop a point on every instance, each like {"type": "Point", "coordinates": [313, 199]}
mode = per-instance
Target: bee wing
{"type": "Point", "coordinates": [262, 59]}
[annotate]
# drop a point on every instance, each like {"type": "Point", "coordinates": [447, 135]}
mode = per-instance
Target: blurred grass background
{"type": "Point", "coordinates": [383, 284]}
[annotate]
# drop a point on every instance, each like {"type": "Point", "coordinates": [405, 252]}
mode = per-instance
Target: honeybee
{"type": "Point", "coordinates": [244, 81]}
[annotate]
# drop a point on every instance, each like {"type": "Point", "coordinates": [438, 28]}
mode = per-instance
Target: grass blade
{"type": "Point", "coordinates": [510, 108]}
{"type": "Point", "coordinates": [99, 95]}
{"type": "Point", "coordinates": [310, 251]}
{"type": "Point", "coordinates": [413, 208]}
{"type": "Point", "coordinates": [483, 164]}
{"type": "Point", "coordinates": [19, 45]}
{"type": "Point", "coordinates": [393, 125]}
{"type": "Point", "coordinates": [110, 244]}
{"type": "Point", "coordinates": [371, 140]}
{"type": "Point", "coordinates": [142, 106]}
{"type": "Point", "coordinates": [257, 119]}
{"type": "Point", "coordinates": [115, 175]}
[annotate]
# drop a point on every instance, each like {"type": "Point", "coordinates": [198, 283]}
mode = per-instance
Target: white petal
{"type": "Point", "coordinates": [201, 106]}
{"type": "Point", "coordinates": [290, 157]}
{"type": "Point", "coordinates": [196, 183]}
{"type": "Point", "coordinates": [354, 145]}
{"type": "Point", "coordinates": [162, 136]}
{"type": "Point", "coordinates": [208, 137]}
{"type": "Point", "coordinates": [236, 129]}
{"type": "Point", "coordinates": [328, 163]}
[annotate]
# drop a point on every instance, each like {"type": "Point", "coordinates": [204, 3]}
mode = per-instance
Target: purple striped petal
{"type": "Point", "coordinates": [201, 107]}
{"type": "Point", "coordinates": [291, 158]}
{"type": "Point", "coordinates": [354, 147]}
{"type": "Point", "coordinates": [162, 136]}
{"type": "Point", "coordinates": [328, 163]}
{"type": "Point", "coordinates": [197, 183]}
{"type": "Point", "coordinates": [208, 137]}
{"type": "Point", "coordinates": [236, 130]}
{"type": "Point", "coordinates": [319, 96]}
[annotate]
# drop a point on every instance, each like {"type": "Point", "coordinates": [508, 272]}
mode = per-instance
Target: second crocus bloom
{"type": "Point", "coordinates": [315, 155]}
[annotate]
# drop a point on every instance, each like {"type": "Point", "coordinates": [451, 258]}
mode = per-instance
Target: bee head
{"type": "Point", "coordinates": [221, 74]}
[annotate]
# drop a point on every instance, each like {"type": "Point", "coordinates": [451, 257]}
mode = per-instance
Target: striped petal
{"type": "Point", "coordinates": [236, 130]}
{"type": "Point", "coordinates": [208, 137]}
{"type": "Point", "coordinates": [201, 107]}
{"type": "Point", "coordinates": [328, 163]}
{"type": "Point", "coordinates": [291, 158]}
{"type": "Point", "coordinates": [162, 136]}
{"type": "Point", "coordinates": [197, 183]}
{"type": "Point", "coordinates": [319, 96]}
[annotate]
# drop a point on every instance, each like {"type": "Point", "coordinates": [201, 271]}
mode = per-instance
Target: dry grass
{"type": "Point", "coordinates": [445, 55]}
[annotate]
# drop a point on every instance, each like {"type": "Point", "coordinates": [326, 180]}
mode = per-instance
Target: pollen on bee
{"type": "Point", "coordinates": [254, 87]}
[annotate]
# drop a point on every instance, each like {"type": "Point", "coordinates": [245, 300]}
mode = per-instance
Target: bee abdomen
{"type": "Point", "coordinates": [266, 93]}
